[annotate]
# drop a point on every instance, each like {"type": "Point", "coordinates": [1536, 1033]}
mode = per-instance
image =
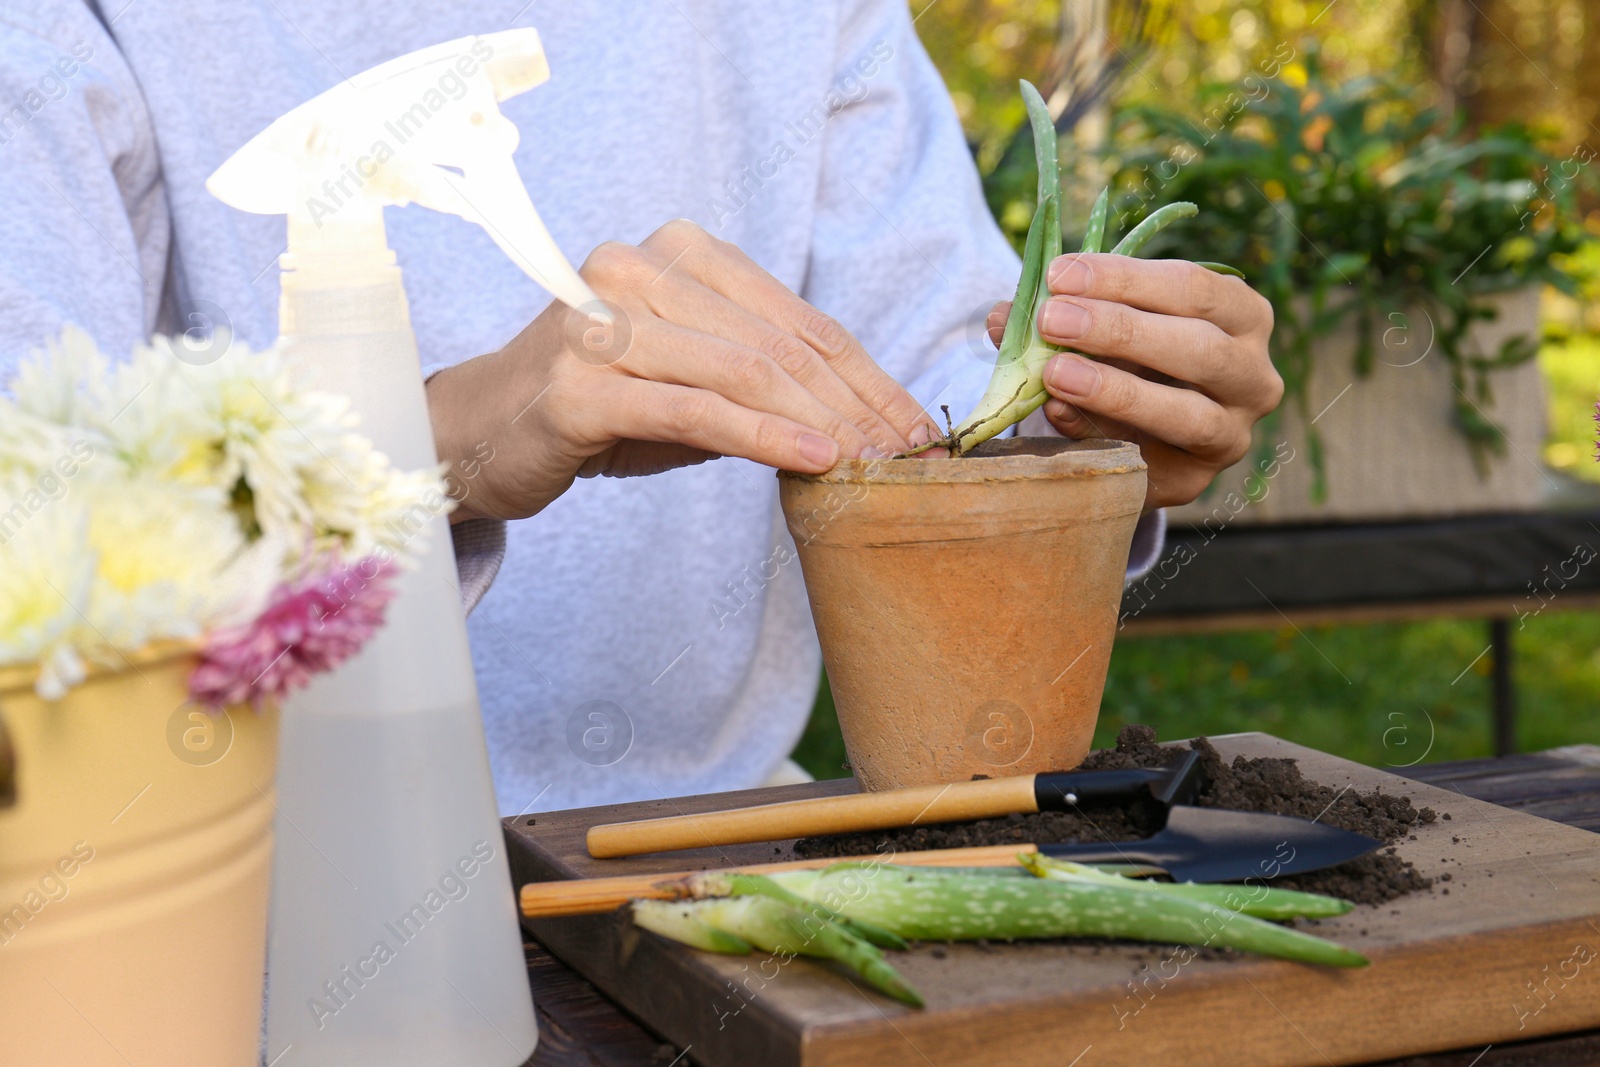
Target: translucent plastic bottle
{"type": "Point", "coordinates": [394, 935]}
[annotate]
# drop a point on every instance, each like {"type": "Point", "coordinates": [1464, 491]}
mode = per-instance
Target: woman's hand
{"type": "Point", "coordinates": [1183, 368]}
{"type": "Point", "coordinates": [706, 355]}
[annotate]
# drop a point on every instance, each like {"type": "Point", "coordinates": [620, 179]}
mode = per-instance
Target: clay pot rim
{"type": "Point", "coordinates": [22, 676]}
{"type": "Point", "coordinates": [1009, 459]}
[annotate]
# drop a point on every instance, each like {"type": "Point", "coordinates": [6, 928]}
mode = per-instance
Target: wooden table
{"type": "Point", "coordinates": [578, 1027]}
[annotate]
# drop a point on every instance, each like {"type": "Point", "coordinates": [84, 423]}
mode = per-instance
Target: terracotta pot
{"type": "Point", "coordinates": [966, 607]}
{"type": "Point", "coordinates": [134, 870]}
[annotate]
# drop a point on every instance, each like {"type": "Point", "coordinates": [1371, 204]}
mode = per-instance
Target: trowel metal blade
{"type": "Point", "coordinates": [1215, 845]}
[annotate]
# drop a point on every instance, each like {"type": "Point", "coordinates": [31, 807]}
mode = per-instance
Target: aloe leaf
{"type": "Point", "coordinates": [1094, 235]}
{"type": "Point", "coordinates": [1022, 304]}
{"type": "Point", "coordinates": [837, 942]}
{"type": "Point", "coordinates": [1017, 387]}
{"type": "Point", "coordinates": [736, 884]}
{"type": "Point", "coordinates": [1154, 223]}
{"type": "Point", "coordinates": [736, 924]}
{"type": "Point", "coordinates": [939, 907]}
{"type": "Point", "coordinates": [681, 922]}
{"type": "Point", "coordinates": [1045, 145]}
{"type": "Point", "coordinates": [1258, 901]}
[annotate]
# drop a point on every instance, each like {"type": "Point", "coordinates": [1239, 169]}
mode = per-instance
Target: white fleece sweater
{"type": "Point", "coordinates": [640, 639]}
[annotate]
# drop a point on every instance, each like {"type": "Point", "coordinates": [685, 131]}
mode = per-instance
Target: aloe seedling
{"type": "Point", "coordinates": [930, 904]}
{"type": "Point", "coordinates": [1257, 901]}
{"type": "Point", "coordinates": [850, 911]}
{"type": "Point", "coordinates": [1016, 389]}
{"type": "Point", "coordinates": [736, 924]}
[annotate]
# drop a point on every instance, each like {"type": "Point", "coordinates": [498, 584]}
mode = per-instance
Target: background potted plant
{"type": "Point", "coordinates": [184, 538]}
{"type": "Point", "coordinates": [1404, 263]}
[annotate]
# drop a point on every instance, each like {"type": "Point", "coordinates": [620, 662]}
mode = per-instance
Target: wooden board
{"type": "Point", "coordinates": [1449, 971]}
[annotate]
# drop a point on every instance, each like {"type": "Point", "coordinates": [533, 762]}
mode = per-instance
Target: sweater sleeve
{"type": "Point", "coordinates": [85, 234]}
{"type": "Point", "coordinates": [904, 250]}
{"type": "Point", "coordinates": [480, 547]}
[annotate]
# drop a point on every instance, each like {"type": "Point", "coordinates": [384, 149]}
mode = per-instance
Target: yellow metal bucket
{"type": "Point", "coordinates": [134, 872]}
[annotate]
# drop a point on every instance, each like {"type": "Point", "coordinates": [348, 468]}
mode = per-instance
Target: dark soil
{"type": "Point", "coordinates": [1266, 784]}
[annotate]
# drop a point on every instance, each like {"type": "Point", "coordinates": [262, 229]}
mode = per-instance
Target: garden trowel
{"type": "Point", "coordinates": [1195, 844]}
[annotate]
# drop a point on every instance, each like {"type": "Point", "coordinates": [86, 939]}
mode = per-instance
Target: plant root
{"type": "Point", "coordinates": [953, 434]}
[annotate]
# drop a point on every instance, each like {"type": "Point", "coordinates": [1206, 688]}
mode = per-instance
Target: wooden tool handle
{"type": "Point", "coordinates": [922, 805]}
{"type": "Point", "coordinates": [588, 896]}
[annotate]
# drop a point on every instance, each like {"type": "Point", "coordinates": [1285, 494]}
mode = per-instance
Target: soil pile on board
{"type": "Point", "coordinates": [1266, 784]}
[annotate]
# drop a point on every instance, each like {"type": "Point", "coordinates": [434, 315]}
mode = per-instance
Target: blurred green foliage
{"type": "Point", "coordinates": [1384, 695]}
{"type": "Point", "coordinates": [982, 47]}
{"type": "Point", "coordinates": [1168, 47]}
{"type": "Point", "coordinates": [1342, 195]}
{"type": "Point", "coordinates": [1347, 200]}
{"type": "Point", "coordinates": [1572, 370]}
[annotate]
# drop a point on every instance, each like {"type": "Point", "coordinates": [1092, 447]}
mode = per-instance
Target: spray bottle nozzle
{"type": "Point", "coordinates": [425, 128]}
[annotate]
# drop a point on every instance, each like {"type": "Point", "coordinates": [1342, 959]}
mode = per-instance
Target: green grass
{"type": "Point", "coordinates": [1377, 694]}
{"type": "Point", "coordinates": [1387, 695]}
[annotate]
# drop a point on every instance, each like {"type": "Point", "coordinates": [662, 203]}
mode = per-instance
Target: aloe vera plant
{"type": "Point", "coordinates": [924, 903]}
{"type": "Point", "coordinates": [1016, 389]}
{"type": "Point", "coordinates": [1256, 901]}
{"type": "Point", "coordinates": [736, 925]}
{"type": "Point", "coordinates": [849, 911]}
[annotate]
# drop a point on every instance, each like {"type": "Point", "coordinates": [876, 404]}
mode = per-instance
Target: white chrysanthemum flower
{"type": "Point", "coordinates": [399, 509]}
{"type": "Point", "coordinates": [159, 498]}
{"type": "Point", "coordinates": [287, 457]}
{"type": "Point", "coordinates": [46, 572]}
{"type": "Point", "coordinates": [31, 447]}
{"type": "Point", "coordinates": [161, 551]}
{"type": "Point", "coordinates": [66, 382]}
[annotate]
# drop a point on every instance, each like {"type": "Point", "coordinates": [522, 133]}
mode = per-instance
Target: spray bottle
{"type": "Point", "coordinates": [394, 936]}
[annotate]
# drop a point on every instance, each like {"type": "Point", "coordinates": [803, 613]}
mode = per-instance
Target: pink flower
{"type": "Point", "coordinates": [310, 625]}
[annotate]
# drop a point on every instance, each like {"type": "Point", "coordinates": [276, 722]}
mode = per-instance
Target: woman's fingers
{"type": "Point", "coordinates": [725, 268]}
{"type": "Point", "coordinates": [1191, 350]}
{"type": "Point", "coordinates": [635, 459]}
{"type": "Point", "coordinates": [672, 354]}
{"type": "Point", "coordinates": [1074, 422]}
{"type": "Point", "coordinates": [996, 323]}
{"type": "Point", "coordinates": [1182, 417]}
{"type": "Point", "coordinates": [1173, 476]}
{"type": "Point", "coordinates": [678, 298]}
{"type": "Point", "coordinates": [1164, 286]}
{"type": "Point", "coordinates": [640, 410]}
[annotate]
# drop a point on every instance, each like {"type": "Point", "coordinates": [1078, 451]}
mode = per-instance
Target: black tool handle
{"type": "Point", "coordinates": [1063, 790]}
{"type": "Point", "coordinates": [1177, 784]}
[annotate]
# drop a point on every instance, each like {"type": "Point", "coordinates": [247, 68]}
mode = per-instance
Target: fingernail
{"type": "Point", "coordinates": [921, 435]}
{"type": "Point", "coordinates": [819, 450]}
{"type": "Point", "coordinates": [1064, 319]}
{"type": "Point", "coordinates": [872, 452]}
{"type": "Point", "coordinates": [1070, 275]}
{"type": "Point", "coordinates": [1075, 377]}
